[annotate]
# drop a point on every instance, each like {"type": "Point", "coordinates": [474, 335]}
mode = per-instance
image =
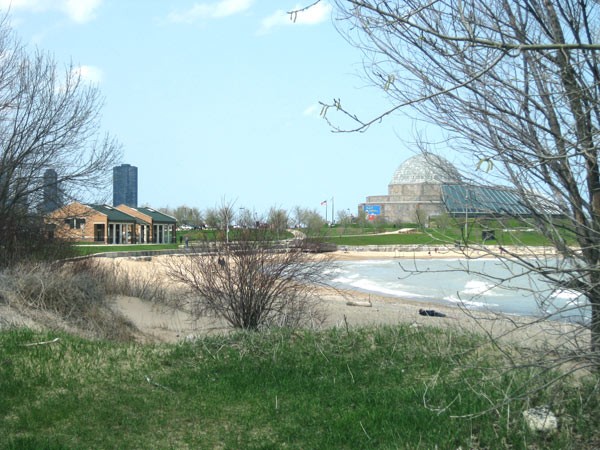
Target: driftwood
{"type": "Point", "coordinates": [367, 304]}
{"type": "Point", "coordinates": [42, 343]}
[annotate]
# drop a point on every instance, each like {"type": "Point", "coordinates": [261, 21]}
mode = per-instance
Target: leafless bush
{"type": "Point", "coordinates": [253, 282]}
{"type": "Point", "coordinates": [117, 280]}
{"type": "Point", "coordinates": [65, 293]}
{"type": "Point", "coordinates": [61, 291]}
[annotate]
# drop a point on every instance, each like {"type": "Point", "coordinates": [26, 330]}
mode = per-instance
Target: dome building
{"type": "Point", "coordinates": [415, 191]}
{"type": "Point", "coordinates": [428, 185]}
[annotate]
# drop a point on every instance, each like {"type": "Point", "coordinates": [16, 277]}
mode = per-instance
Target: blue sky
{"type": "Point", "coordinates": [218, 99]}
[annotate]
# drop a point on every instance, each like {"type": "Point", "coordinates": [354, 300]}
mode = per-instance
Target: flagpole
{"type": "Point", "coordinates": [332, 209]}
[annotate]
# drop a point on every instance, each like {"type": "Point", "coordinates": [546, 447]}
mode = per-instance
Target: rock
{"type": "Point", "coordinates": [541, 418]}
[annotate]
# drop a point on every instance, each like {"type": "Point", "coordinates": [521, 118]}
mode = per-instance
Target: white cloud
{"type": "Point", "coordinates": [90, 74]}
{"type": "Point", "coordinates": [217, 10]}
{"type": "Point", "coordinates": [312, 111]}
{"type": "Point", "coordinates": [79, 11]}
{"type": "Point", "coordinates": [312, 16]}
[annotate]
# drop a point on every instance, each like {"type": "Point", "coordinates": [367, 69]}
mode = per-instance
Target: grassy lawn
{"type": "Point", "coordinates": [517, 235]}
{"type": "Point", "coordinates": [83, 250]}
{"type": "Point", "coordinates": [389, 387]}
{"type": "Point", "coordinates": [356, 235]}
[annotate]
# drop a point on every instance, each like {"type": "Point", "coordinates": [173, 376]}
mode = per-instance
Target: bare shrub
{"type": "Point", "coordinates": [116, 279]}
{"type": "Point", "coordinates": [65, 293]}
{"type": "Point", "coordinates": [61, 291]}
{"type": "Point", "coordinates": [254, 282]}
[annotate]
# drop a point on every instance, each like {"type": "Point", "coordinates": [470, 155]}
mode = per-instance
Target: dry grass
{"type": "Point", "coordinates": [74, 296]}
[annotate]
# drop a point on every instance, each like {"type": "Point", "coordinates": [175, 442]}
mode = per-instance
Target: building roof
{"type": "Point", "coordinates": [114, 215]}
{"type": "Point", "coordinates": [426, 168]}
{"type": "Point", "coordinates": [157, 216]}
{"type": "Point", "coordinates": [481, 200]}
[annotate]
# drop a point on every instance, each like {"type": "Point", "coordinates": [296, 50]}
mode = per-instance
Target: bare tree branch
{"type": "Point", "coordinates": [49, 120]}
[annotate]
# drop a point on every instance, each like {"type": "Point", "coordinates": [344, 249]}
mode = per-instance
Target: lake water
{"type": "Point", "coordinates": [456, 281]}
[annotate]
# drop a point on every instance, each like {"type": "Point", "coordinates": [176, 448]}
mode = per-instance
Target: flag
{"type": "Point", "coordinates": [324, 202]}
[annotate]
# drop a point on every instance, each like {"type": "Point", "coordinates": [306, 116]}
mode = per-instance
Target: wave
{"type": "Point", "coordinates": [370, 286]}
{"type": "Point", "coordinates": [469, 303]}
{"type": "Point", "coordinates": [371, 262]}
{"type": "Point", "coordinates": [477, 287]}
{"type": "Point", "coordinates": [346, 280]}
{"type": "Point", "coordinates": [452, 281]}
{"type": "Point", "coordinates": [335, 271]}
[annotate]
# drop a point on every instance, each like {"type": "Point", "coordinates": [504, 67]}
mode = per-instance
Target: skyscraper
{"type": "Point", "coordinates": [125, 188]}
{"type": "Point", "coordinates": [51, 193]}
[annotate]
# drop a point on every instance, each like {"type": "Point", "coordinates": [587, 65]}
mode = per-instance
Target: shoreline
{"type": "Point", "coordinates": [341, 307]}
{"type": "Point", "coordinates": [439, 252]}
{"type": "Point", "coordinates": [172, 321]}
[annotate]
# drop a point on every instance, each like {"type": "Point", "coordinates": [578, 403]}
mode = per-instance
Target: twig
{"type": "Point", "coordinates": [351, 375]}
{"type": "Point", "coordinates": [154, 383]}
{"type": "Point", "coordinates": [42, 343]}
{"type": "Point", "coordinates": [365, 431]}
{"type": "Point", "coordinates": [321, 351]}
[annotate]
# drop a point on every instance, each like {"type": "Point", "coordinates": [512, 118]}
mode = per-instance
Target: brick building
{"type": "Point", "coordinates": [103, 223]}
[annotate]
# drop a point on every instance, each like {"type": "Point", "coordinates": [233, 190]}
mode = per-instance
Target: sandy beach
{"type": "Point", "coordinates": [160, 323]}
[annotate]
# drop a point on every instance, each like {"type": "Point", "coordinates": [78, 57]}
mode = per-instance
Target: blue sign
{"type": "Point", "coordinates": [372, 210]}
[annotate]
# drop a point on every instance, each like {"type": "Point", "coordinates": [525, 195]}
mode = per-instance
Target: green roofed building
{"type": "Point", "coordinates": [162, 226]}
{"type": "Point", "coordinates": [111, 225]}
{"type": "Point", "coordinates": [95, 223]}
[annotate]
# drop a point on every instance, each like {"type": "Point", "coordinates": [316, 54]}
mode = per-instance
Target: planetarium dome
{"type": "Point", "coordinates": [425, 168]}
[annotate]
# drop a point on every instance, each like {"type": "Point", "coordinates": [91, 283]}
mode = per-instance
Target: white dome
{"type": "Point", "coordinates": [425, 168]}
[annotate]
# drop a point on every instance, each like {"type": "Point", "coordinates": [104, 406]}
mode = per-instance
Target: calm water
{"type": "Point", "coordinates": [452, 282]}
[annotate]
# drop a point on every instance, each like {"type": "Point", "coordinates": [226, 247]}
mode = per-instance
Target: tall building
{"type": "Point", "coordinates": [125, 185]}
{"type": "Point", "coordinates": [51, 194]}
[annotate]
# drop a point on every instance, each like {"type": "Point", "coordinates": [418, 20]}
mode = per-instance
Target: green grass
{"type": "Point", "coordinates": [388, 239]}
{"type": "Point", "coordinates": [389, 387]}
{"type": "Point", "coordinates": [83, 250]}
{"type": "Point", "coordinates": [355, 236]}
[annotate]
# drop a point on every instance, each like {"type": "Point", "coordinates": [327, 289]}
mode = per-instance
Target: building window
{"type": "Point", "coordinates": [75, 223]}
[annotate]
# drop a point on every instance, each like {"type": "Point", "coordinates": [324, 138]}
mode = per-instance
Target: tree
{"type": "Point", "coordinates": [515, 87]}
{"type": "Point", "coordinates": [185, 215]}
{"type": "Point", "coordinates": [252, 282]}
{"type": "Point", "coordinates": [278, 220]}
{"type": "Point", "coordinates": [49, 124]}
{"type": "Point", "coordinates": [211, 218]}
{"type": "Point", "coordinates": [221, 217]}
{"type": "Point", "coordinates": [344, 217]}
{"type": "Point", "coordinates": [309, 219]}
{"type": "Point", "coordinates": [248, 218]}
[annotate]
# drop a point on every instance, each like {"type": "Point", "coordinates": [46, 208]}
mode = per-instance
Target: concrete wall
{"type": "Point", "coordinates": [404, 200]}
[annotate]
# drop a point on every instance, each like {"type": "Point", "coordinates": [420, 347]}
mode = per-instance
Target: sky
{"type": "Point", "coordinates": [218, 100]}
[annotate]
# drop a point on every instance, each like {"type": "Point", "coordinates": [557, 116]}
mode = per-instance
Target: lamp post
{"type": "Point", "coordinates": [227, 226]}
{"type": "Point", "coordinates": [466, 217]}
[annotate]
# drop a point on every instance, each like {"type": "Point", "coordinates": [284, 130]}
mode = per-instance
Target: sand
{"type": "Point", "coordinates": [159, 323]}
